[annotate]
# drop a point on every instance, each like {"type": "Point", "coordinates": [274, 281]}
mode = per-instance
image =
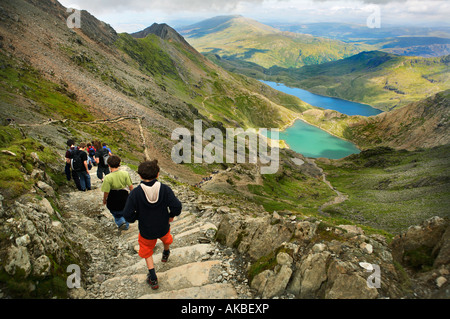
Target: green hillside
{"type": "Point", "coordinates": [382, 80]}
{"type": "Point", "coordinates": [236, 37]}
{"type": "Point", "coordinates": [391, 189]}
{"type": "Point", "coordinates": [218, 96]}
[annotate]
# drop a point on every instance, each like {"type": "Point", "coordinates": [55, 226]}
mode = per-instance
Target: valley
{"type": "Point", "coordinates": [372, 69]}
{"type": "Point", "coordinates": [132, 91]}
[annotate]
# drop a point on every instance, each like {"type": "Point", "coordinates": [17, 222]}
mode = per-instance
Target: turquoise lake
{"type": "Point", "coordinates": [313, 142]}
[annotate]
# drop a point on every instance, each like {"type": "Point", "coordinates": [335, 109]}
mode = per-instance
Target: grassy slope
{"type": "Point", "coordinates": [391, 189]}
{"type": "Point", "coordinates": [220, 97]}
{"type": "Point", "coordinates": [53, 99]}
{"type": "Point", "coordinates": [424, 124]}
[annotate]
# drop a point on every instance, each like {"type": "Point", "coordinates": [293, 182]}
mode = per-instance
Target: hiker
{"type": "Point", "coordinates": [154, 205]}
{"type": "Point", "coordinates": [106, 147]}
{"type": "Point", "coordinates": [70, 173]}
{"type": "Point", "coordinates": [114, 191]}
{"type": "Point", "coordinates": [79, 165]}
{"type": "Point", "coordinates": [101, 158]}
{"type": "Point", "coordinates": [91, 156]}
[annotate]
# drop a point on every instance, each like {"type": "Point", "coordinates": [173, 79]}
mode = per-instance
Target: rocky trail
{"type": "Point", "coordinates": [198, 267]}
{"type": "Point", "coordinates": [338, 199]}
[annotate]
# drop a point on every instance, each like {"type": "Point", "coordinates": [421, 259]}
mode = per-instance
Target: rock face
{"type": "Point", "coordinates": [424, 250]}
{"type": "Point", "coordinates": [431, 238]}
{"type": "Point", "coordinates": [316, 260]}
{"type": "Point", "coordinates": [37, 245]}
{"type": "Point", "coordinates": [253, 236]}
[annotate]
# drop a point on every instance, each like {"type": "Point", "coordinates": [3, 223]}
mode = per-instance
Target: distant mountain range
{"type": "Point", "coordinates": [411, 41]}
{"type": "Point", "coordinates": [237, 37]}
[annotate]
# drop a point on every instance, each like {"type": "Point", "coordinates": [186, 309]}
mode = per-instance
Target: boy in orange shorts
{"type": "Point", "coordinates": [154, 205]}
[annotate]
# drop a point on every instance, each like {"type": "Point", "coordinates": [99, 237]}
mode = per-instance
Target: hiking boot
{"type": "Point", "coordinates": [152, 283]}
{"type": "Point", "coordinates": [165, 256]}
{"type": "Point", "coordinates": [123, 226]}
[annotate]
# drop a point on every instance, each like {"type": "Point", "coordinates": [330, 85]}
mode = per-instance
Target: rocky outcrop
{"type": "Point", "coordinates": [424, 245]}
{"type": "Point", "coordinates": [255, 236]}
{"type": "Point", "coordinates": [37, 250]}
{"type": "Point", "coordinates": [424, 250]}
{"type": "Point", "coordinates": [311, 259]}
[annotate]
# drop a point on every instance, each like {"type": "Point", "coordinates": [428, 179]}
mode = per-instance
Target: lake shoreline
{"type": "Point", "coordinates": [346, 110]}
{"type": "Point", "coordinates": [292, 123]}
{"type": "Point", "coordinates": [324, 101]}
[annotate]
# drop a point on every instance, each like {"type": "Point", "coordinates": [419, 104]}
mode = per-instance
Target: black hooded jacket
{"type": "Point", "coordinates": [152, 204]}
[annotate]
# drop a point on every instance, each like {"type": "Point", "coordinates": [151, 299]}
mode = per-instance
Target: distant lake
{"type": "Point", "coordinates": [329, 103]}
{"type": "Point", "coordinates": [311, 141]}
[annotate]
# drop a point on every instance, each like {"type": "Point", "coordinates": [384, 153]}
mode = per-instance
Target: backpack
{"type": "Point", "coordinates": [76, 162]}
{"type": "Point", "coordinates": [104, 156]}
{"type": "Point", "coordinates": [91, 152]}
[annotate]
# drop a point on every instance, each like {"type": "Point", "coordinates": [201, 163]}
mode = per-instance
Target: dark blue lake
{"type": "Point", "coordinates": [329, 103]}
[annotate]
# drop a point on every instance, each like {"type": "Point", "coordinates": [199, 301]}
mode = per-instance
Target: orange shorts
{"type": "Point", "coordinates": [146, 245]}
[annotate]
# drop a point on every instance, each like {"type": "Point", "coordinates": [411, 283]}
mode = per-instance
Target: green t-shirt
{"type": "Point", "coordinates": [115, 181]}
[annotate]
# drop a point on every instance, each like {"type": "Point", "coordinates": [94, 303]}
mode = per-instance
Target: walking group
{"type": "Point", "coordinates": [81, 158]}
{"type": "Point", "coordinates": [152, 204]}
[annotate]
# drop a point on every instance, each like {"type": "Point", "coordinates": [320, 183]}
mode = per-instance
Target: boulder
{"type": "Point", "coordinates": [313, 273]}
{"type": "Point", "coordinates": [350, 286]}
{"type": "Point", "coordinates": [305, 230]}
{"type": "Point", "coordinates": [256, 237]}
{"type": "Point", "coordinates": [271, 283]}
{"type": "Point", "coordinates": [18, 262]}
{"type": "Point", "coordinates": [442, 250]}
{"type": "Point", "coordinates": [47, 189]}
{"type": "Point", "coordinates": [422, 243]}
{"type": "Point", "coordinates": [276, 284]}
{"type": "Point", "coordinates": [41, 266]}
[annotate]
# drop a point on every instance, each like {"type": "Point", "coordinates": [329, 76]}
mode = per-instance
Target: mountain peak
{"type": "Point", "coordinates": [220, 23]}
{"type": "Point", "coordinates": [163, 31]}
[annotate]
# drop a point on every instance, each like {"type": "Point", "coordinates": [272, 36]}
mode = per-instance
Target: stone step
{"type": "Point", "coordinates": [200, 227]}
{"type": "Point", "coordinates": [186, 238]}
{"type": "Point", "coordinates": [211, 291]}
{"type": "Point", "coordinates": [178, 257]}
{"type": "Point", "coordinates": [186, 276]}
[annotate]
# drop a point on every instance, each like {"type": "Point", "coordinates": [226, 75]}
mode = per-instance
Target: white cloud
{"type": "Point", "coordinates": [124, 14]}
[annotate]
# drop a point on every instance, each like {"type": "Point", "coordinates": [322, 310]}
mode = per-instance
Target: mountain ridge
{"type": "Point", "coordinates": [249, 40]}
{"type": "Point", "coordinates": [424, 124]}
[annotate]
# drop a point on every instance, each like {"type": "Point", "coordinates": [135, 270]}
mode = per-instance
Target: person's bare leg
{"type": "Point", "coordinates": [149, 261]}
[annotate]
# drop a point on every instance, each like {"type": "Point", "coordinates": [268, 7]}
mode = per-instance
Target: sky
{"type": "Point", "coordinates": [135, 15]}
